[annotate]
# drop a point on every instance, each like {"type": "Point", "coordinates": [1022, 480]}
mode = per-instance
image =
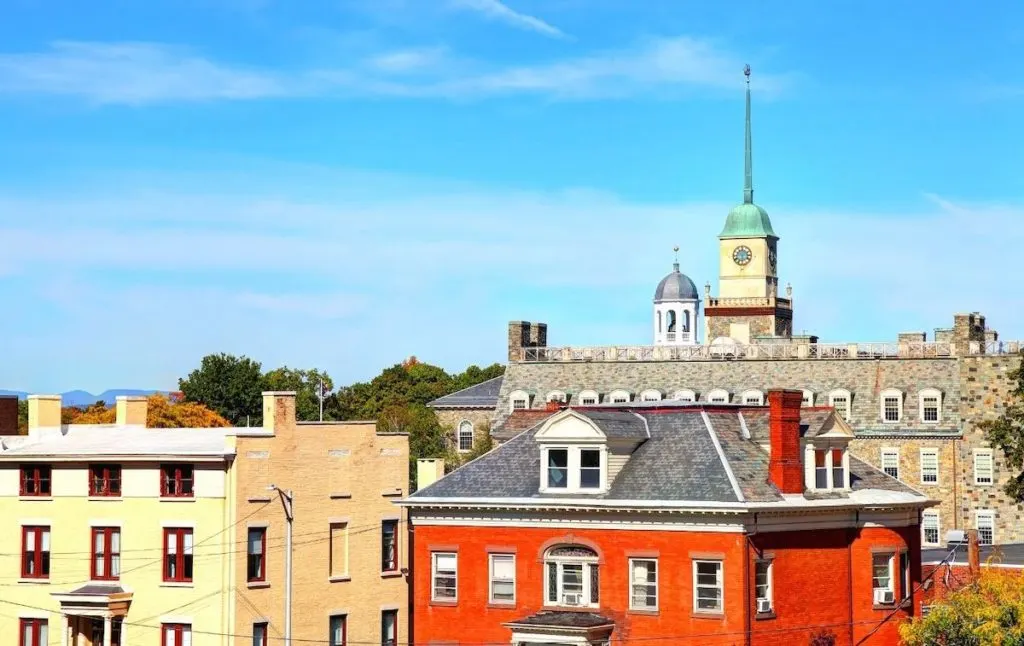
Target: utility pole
{"type": "Point", "coordinates": [321, 394]}
{"type": "Point", "coordinates": [288, 502]}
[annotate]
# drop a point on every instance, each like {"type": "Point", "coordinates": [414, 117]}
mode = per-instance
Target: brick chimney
{"type": "Point", "coordinates": [8, 415]}
{"type": "Point", "coordinates": [785, 464]}
{"type": "Point", "coordinates": [131, 410]}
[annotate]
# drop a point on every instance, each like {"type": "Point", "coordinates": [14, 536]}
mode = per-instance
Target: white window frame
{"type": "Point", "coordinates": [893, 453]}
{"type": "Point", "coordinates": [842, 393]}
{"type": "Point", "coordinates": [717, 393]}
{"type": "Point", "coordinates": [891, 587]}
{"type": "Point", "coordinates": [459, 435]}
{"type": "Point", "coordinates": [588, 394]}
{"type": "Point", "coordinates": [434, 575]}
{"type": "Point", "coordinates": [931, 517]}
{"type": "Point", "coordinates": [685, 395]}
{"type": "Point", "coordinates": [808, 400]}
{"type": "Point", "coordinates": [574, 468]}
{"type": "Point", "coordinates": [752, 394]}
{"type": "Point", "coordinates": [931, 452]}
{"type": "Point", "coordinates": [891, 393]}
{"type": "Point", "coordinates": [633, 583]}
{"type": "Point", "coordinates": [556, 396]}
{"type": "Point", "coordinates": [517, 396]}
{"type": "Point", "coordinates": [491, 580]}
{"type": "Point", "coordinates": [987, 455]}
{"type": "Point", "coordinates": [769, 583]}
{"type": "Point", "coordinates": [651, 395]}
{"type": "Point", "coordinates": [928, 393]}
{"type": "Point", "coordinates": [616, 395]}
{"type": "Point", "coordinates": [586, 563]}
{"type": "Point", "coordinates": [985, 518]}
{"type": "Point", "coordinates": [811, 467]}
{"type": "Point", "coordinates": [719, 585]}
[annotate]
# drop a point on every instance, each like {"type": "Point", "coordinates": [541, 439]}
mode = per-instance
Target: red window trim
{"type": "Point", "coordinates": [37, 559]}
{"type": "Point", "coordinates": [262, 554]}
{"type": "Point", "coordinates": [177, 474]}
{"type": "Point", "coordinates": [177, 630]}
{"type": "Point", "coordinates": [35, 474]}
{"type": "Point", "coordinates": [179, 556]}
{"type": "Point", "coordinates": [33, 625]}
{"type": "Point", "coordinates": [263, 640]}
{"type": "Point", "coordinates": [108, 474]}
{"type": "Point", "coordinates": [108, 553]}
{"type": "Point", "coordinates": [344, 630]}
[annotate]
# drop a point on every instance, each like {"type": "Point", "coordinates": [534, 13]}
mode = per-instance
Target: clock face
{"type": "Point", "coordinates": [741, 255]}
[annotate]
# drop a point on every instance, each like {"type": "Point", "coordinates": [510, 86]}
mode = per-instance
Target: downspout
{"type": "Point", "coordinates": [747, 600]}
{"type": "Point", "coordinates": [849, 567]}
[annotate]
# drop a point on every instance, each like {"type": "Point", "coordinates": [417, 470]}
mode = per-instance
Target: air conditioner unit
{"type": "Point", "coordinates": [956, 537]}
{"type": "Point", "coordinates": [764, 605]}
{"type": "Point", "coordinates": [572, 599]}
{"type": "Point", "coordinates": [883, 596]}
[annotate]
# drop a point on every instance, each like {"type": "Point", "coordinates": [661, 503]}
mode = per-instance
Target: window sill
{"type": "Point", "coordinates": [708, 614]}
{"type": "Point", "coordinates": [178, 499]}
{"type": "Point", "coordinates": [105, 498]}
{"type": "Point", "coordinates": [340, 495]}
{"type": "Point", "coordinates": [764, 615]}
{"type": "Point", "coordinates": [38, 498]}
{"type": "Point", "coordinates": [501, 605]}
{"type": "Point", "coordinates": [258, 499]}
{"type": "Point", "coordinates": [341, 578]}
{"type": "Point", "coordinates": [580, 608]}
{"type": "Point", "coordinates": [255, 585]}
{"type": "Point", "coordinates": [443, 603]}
{"type": "Point", "coordinates": [650, 612]}
{"type": "Point", "coordinates": [884, 606]}
{"type": "Point", "coordinates": [177, 584]}
{"type": "Point", "coordinates": [390, 575]}
{"type": "Point", "coordinates": [34, 581]}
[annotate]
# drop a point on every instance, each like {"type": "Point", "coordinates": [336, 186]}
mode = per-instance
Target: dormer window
{"type": "Point", "coordinates": [650, 396]}
{"type": "Point", "coordinates": [718, 396]}
{"type": "Point", "coordinates": [808, 399]}
{"type": "Point", "coordinates": [753, 398]}
{"type": "Point", "coordinates": [619, 397]}
{"type": "Point", "coordinates": [556, 396]}
{"type": "Point", "coordinates": [519, 400]}
{"type": "Point", "coordinates": [589, 398]}
{"type": "Point", "coordinates": [573, 469]}
{"type": "Point", "coordinates": [830, 468]}
{"type": "Point", "coordinates": [685, 396]}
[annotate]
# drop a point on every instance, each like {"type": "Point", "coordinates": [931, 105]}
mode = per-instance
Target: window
{"type": "Point", "coordinates": [983, 466]}
{"type": "Point", "coordinates": [643, 586]}
{"type": "Point", "coordinates": [256, 553]}
{"type": "Point", "coordinates": [763, 585]}
{"type": "Point", "coordinates": [259, 634]}
{"type": "Point", "coordinates": [985, 521]}
{"type": "Point", "coordinates": [650, 396]}
{"type": "Point", "coordinates": [176, 480]}
{"type": "Point", "coordinates": [35, 552]}
{"type": "Point", "coordinates": [34, 632]}
{"type": "Point", "coordinates": [589, 398]}
{"type": "Point", "coordinates": [930, 405]}
{"type": "Point", "coordinates": [840, 400]}
{"type": "Point", "coordinates": [881, 572]}
{"type": "Point", "coordinates": [929, 466]}
{"type": "Point", "coordinates": [503, 578]}
{"type": "Point", "coordinates": [176, 634]}
{"type": "Point", "coordinates": [556, 396]}
{"type": "Point", "coordinates": [389, 546]}
{"type": "Point", "coordinates": [590, 468]}
{"type": "Point", "coordinates": [104, 480]}
{"type": "Point", "coordinates": [753, 398]}
{"type": "Point", "coordinates": [567, 469]}
{"type": "Point", "coordinates": [178, 555]}
{"type": "Point", "coordinates": [444, 576]}
{"type": "Point", "coordinates": [685, 396]}
{"type": "Point", "coordinates": [707, 586]}
{"type": "Point", "coordinates": [892, 406]}
{"type": "Point", "coordinates": [338, 629]}
{"type": "Point", "coordinates": [838, 472]}
{"type": "Point", "coordinates": [35, 480]}
{"type": "Point", "coordinates": [620, 397]}
{"type": "Point", "coordinates": [905, 574]}
{"type": "Point", "coordinates": [520, 400]}
{"type": "Point", "coordinates": [930, 527]}
{"type": "Point", "coordinates": [891, 462]}
{"type": "Point", "coordinates": [718, 396]}
{"type": "Point", "coordinates": [558, 468]}
{"type": "Point", "coordinates": [106, 553]}
{"type": "Point", "coordinates": [808, 399]}
{"type": "Point", "coordinates": [571, 577]}
{"type": "Point", "coordinates": [820, 469]}
{"type": "Point", "coordinates": [465, 436]}
{"type": "Point", "coordinates": [389, 628]}
{"type": "Point", "coordinates": [339, 550]}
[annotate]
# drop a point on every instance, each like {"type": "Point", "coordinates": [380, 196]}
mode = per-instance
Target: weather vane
{"type": "Point", "coordinates": [676, 250]}
{"type": "Point", "coordinates": [746, 72]}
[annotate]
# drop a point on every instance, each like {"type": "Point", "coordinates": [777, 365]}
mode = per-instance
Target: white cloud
{"type": "Point", "coordinates": [497, 10]}
{"type": "Point", "coordinates": [150, 73]}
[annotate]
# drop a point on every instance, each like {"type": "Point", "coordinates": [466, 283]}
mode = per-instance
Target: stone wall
{"type": "Point", "coordinates": [450, 418]}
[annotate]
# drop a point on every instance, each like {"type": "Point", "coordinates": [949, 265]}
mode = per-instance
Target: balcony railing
{"type": "Point", "coordinates": [752, 301]}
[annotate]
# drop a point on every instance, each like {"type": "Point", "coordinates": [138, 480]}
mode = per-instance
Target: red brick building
{"type": "Point", "coordinates": [662, 523]}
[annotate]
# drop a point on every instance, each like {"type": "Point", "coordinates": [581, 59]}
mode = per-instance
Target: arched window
{"type": "Point", "coordinates": [841, 399]}
{"type": "Point", "coordinates": [556, 396]}
{"type": "Point", "coordinates": [753, 398]}
{"type": "Point", "coordinates": [659, 321]}
{"type": "Point", "coordinates": [671, 321]}
{"type": "Point", "coordinates": [891, 406]}
{"type": "Point", "coordinates": [589, 398]}
{"type": "Point", "coordinates": [808, 398]}
{"type": "Point", "coordinates": [718, 396]}
{"type": "Point", "coordinates": [930, 405]}
{"type": "Point", "coordinates": [685, 396]}
{"type": "Point", "coordinates": [620, 397]}
{"type": "Point", "coordinates": [650, 396]}
{"type": "Point", "coordinates": [571, 576]}
{"type": "Point", "coordinates": [519, 400]}
{"type": "Point", "coordinates": [465, 435]}
{"type": "Point", "coordinates": [686, 320]}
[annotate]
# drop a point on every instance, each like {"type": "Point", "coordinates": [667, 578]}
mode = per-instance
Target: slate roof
{"type": "Point", "coordinates": [813, 422]}
{"type": "Point", "coordinates": [698, 454]}
{"type": "Point", "coordinates": [97, 589]}
{"type": "Point", "coordinates": [519, 421]}
{"type": "Point", "coordinates": [108, 439]}
{"type": "Point", "coordinates": [482, 395]}
{"type": "Point", "coordinates": [564, 619]}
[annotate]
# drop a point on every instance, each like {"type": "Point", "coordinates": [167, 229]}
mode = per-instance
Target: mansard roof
{"type": "Point", "coordinates": [481, 395]}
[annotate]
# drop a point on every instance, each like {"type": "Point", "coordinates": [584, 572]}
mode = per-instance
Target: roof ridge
{"type": "Point", "coordinates": [721, 456]}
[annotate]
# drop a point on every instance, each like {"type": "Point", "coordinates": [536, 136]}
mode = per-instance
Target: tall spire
{"type": "Point", "coordinates": [748, 175]}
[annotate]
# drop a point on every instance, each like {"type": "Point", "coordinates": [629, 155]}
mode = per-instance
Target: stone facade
{"type": "Point", "coordinates": [451, 418]}
{"type": "Point", "coordinates": [760, 324]}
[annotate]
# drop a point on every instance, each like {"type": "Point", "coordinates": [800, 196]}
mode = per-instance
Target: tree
{"type": "Point", "coordinates": [482, 444]}
{"type": "Point", "coordinates": [160, 413]}
{"type": "Point", "coordinates": [22, 417]}
{"type": "Point", "coordinates": [474, 375]}
{"type": "Point", "coordinates": [988, 611]}
{"type": "Point", "coordinates": [1007, 432]}
{"type": "Point", "coordinates": [229, 385]}
{"type": "Point", "coordinates": [426, 437]}
{"type": "Point", "coordinates": [305, 384]}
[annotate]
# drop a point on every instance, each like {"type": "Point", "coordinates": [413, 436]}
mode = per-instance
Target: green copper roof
{"type": "Point", "coordinates": [747, 220]}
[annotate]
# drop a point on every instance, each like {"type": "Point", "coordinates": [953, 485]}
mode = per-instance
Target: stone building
{"type": "Point", "coordinates": [914, 403]}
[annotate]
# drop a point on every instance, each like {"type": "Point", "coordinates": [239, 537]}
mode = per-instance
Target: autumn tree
{"type": "Point", "coordinates": [229, 385]}
{"type": "Point", "coordinates": [988, 611]}
{"type": "Point", "coordinates": [22, 417]}
{"type": "Point", "coordinates": [305, 384]}
{"type": "Point", "coordinates": [160, 413]}
{"type": "Point", "coordinates": [1007, 432]}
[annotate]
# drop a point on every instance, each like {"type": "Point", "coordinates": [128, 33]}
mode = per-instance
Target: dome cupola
{"type": "Point", "coordinates": [676, 306]}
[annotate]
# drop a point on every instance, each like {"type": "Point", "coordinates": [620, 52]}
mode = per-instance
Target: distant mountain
{"type": "Point", "coordinates": [83, 398]}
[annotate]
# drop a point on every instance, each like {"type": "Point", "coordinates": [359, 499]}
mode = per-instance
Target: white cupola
{"type": "Point", "coordinates": [676, 306]}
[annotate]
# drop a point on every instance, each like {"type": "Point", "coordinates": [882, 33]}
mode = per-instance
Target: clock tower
{"type": "Point", "coordinates": [748, 304]}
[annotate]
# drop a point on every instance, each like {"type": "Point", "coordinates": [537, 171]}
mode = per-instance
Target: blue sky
{"type": "Point", "coordinates": [343, 183]}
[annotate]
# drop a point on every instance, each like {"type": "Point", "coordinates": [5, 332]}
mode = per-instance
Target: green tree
{"type": "Point", "coordinates": [1007, 432]}
{"type": "Point", "coordinates": [474, 375]}
{"type": "Point", "coordinates": [482, 444]}
{"type": "Point", "coordinates": [230, 386]}
{"type": "Point", "coordinates": [987, 611]}
{"type": "Point", "coordinates": [305, 383]}
{"type": "Point", "coordinates": [426, 437]}
{"type": "Point", "coordinates": [22, 417]}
